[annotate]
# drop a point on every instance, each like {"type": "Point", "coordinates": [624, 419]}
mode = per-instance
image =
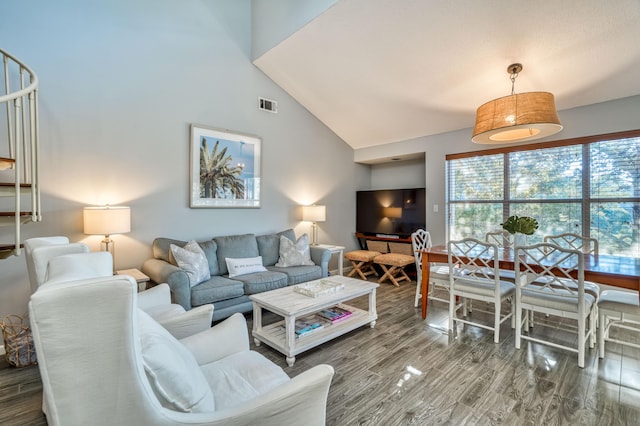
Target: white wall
{"type": "Point", "coordinates": [120, 83]}
{"type": "Point", "coordinates": [602, 118]}
{"type": "Point", "coordinates": [398, 174]}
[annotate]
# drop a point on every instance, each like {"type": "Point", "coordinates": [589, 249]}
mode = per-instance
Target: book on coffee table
{"type": "Point", "coordinates": [335, 313]}
{"type": "Point", "coordinates": [309, 325]}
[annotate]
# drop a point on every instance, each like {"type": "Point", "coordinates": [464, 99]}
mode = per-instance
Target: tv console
{"type": "Point", "coordinates": [362, 239]}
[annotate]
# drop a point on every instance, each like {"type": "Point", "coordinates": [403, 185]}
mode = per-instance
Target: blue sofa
{"type": "Point", "coordinates": [231, 295]}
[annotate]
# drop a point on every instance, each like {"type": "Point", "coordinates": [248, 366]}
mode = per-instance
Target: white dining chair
{"type": "Point", "coordinates": [504, 240]}
{"type": "Point", "coordinates": [545, 283]}
{"type": "Point", "coordinates": [588, 246]}
{"type": "Point", "coordinates": [476, 276]}
{"type": "Point", "coordinates": [618, 309]}
{"type": "Point", "coordinates": [438, 272]}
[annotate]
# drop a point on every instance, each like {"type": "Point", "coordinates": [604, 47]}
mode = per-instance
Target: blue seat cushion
{"type": "Point", "coordinates": [215, 289]}
{"type": "Point", "coordinates": [258, 282]}
{"type": "Point", "coordinates": [299, 274]}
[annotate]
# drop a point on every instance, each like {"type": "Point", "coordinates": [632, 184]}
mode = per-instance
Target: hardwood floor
{"type": "Point", "coordinates": [407, 371]}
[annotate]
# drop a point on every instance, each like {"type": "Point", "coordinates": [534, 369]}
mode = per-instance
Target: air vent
{"type": "Point", "coordinates": [268, 105]}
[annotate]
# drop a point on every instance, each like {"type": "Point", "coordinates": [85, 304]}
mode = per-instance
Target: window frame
{"type": "Point", "coordinates": [585, 202]}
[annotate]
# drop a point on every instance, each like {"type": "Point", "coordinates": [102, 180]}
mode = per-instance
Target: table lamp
{"type": "Point", "coordinates": [107, 220]}
{"type": "Point", "coordinates": [314, 214]}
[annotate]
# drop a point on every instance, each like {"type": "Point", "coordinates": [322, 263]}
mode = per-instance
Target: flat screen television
{"type": "Point", "coordinates": [393, 212]}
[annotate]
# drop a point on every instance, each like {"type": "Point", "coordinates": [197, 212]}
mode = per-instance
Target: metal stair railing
{"type": "Point", "coordinates": [20, 128]}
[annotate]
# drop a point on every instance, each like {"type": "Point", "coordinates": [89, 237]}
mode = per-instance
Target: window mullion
{"type": "Point", "coordinates": [586, 191]}
{"type": "Point", "coordinates": [506, 192]}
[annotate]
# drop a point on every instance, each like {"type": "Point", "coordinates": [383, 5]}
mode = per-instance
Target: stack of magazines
{"type": "Point", "coordinates": [335, 314]}
{"type": "Point", "coordinates": [309, 324]}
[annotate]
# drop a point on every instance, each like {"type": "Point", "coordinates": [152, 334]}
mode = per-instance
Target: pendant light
{"type": "Point", "coordinates": [518, 117]}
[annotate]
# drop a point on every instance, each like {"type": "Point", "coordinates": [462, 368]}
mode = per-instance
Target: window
{"type": "Point", "coordinates": [588, 186]}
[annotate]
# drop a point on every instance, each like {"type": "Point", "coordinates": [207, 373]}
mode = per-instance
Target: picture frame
{"type": "Point", "coordinates": [225, 168]}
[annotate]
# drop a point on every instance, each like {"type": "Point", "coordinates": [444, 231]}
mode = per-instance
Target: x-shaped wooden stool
{"type": "Point", "coordinates": [362, 262]}
{"type": "Point", "coordinates": [397, 263]}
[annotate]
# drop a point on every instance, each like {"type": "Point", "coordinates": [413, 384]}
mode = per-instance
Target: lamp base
{"type": "Point", "coordinates": [109, 245]}
{"type": "Point", "coordinates": [314, 234]}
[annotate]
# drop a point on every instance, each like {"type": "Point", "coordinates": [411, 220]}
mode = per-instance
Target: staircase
{"type": "Point", "coordinates": [19, 185]}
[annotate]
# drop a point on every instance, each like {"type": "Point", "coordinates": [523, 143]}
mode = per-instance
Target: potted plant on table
{"type": "Point", "coordinates": [520, 227]}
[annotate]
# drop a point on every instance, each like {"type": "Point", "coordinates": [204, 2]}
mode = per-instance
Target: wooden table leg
{"type": "Point", "coordinates": [425, 282]}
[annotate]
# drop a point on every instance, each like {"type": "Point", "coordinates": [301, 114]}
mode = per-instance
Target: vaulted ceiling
{"type": "Point", "coordinates": [381, 71]}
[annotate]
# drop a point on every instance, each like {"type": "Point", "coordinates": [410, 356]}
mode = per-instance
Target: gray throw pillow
{"type": "Point", "coordinates": [294, 254]}
{"type": "Point", "coordinates": [193, 261]}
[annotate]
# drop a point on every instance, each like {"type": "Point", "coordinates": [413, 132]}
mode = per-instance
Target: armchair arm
{"type": "Point", "coordinates": [163, 272]}
{"type": "Point", "coordinates": [208, 345]}
{"type": "Point", "coordinates": [157, 295]}
{"type": "Point", "coordinates": [190, 322]}
{"type": "Point", "coordinates": [301, 400]}
{"type": "Point", "coordinates": [303, 397]}
{"type": "Point", "coordinates": [321, 257]}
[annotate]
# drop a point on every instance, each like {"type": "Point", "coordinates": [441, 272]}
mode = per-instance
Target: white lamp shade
{"type": "Point", "coordinates": [107, 220]}
{"type": "Point", "coordinates": [314, 213]}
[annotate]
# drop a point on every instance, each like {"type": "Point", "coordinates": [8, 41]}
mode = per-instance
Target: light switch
{"type": "Point", "coordinates": [435, 208]}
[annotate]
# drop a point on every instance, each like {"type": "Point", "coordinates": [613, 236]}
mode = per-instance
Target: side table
{"type": "Point", "coordinates": [140, 278]}
{"type": "Point", "coordinates": [335, 249]}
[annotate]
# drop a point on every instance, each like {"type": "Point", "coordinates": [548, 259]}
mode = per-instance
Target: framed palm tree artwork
{"type": "Point", "coordinates": [225, 168]}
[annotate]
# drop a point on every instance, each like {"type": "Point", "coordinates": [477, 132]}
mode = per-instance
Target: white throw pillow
{"type": "Point", "coordinates": [172, 370]}
{"type": "Point", "coordinates": [248, 265]}
{"type": "Point", "coordinates": [294, 254]}
{"type": "Point", "coordinates": [193, 261]}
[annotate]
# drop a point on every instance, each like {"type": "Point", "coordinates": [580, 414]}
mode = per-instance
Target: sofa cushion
{"type": "Point", "coordinates": [210, 249]}
{"type": "Point", "coordinates": [162, 249]}
{"type": "Point", "coordinates": [214, 289]}
{"type": "Point", "coordinates": [241, 377]}
{"type": "Point", "coordinates": [299, 274]}
{"type": "Point", "coordinates": [294, 253]}
{"type": "Point", "coordinates": [193, 261]}
{"type": "Point", "coordinates": [263, 281]}
{"type": "Point", "coordinates": [246, 266]}
{"type": "Point", "coordinates": [237, 247]}
{"type": "Point", "coordinates": [172, 370]}
{"type": "Point", "coordinates": [269, 246]}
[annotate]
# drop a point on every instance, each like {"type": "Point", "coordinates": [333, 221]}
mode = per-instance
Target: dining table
{"type": "Point", "coordinates": [616, 271]}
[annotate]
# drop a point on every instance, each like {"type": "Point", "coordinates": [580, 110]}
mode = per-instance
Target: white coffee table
{"type": "Point", "coordinates": [291, 305]}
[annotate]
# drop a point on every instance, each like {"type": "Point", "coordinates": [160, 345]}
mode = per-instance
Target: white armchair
{"type": "Point", "coordinates": [54, 259]}
{"type": "Point", "coordinates": [104, 361]}
{"type": "Point", "coordinates": [38, 251]}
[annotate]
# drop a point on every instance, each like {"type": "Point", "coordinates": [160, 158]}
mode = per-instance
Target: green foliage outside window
{"type": "Point", "coordinates": [591, 189]}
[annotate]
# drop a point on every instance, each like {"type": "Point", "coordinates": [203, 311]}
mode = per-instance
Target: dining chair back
{"type": "Point", "coordinates": [501, 238]}
{"type": "Point", "coordinates": [438, 273]}
{"type": "Point", "coordinates": [475, 275]}
{"type": "Point", "coordinates": [586, 245]}
{"type": "Point", "coordinates": [550, 281]}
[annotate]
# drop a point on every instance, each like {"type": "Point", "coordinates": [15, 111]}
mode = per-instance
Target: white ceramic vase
{"type": "Point", "coordinates": [519, 239]}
